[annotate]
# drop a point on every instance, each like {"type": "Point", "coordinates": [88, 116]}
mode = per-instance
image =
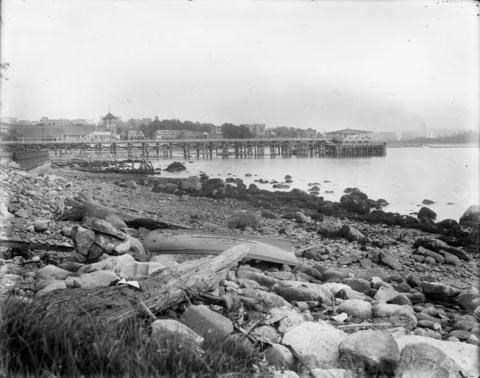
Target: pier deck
{"type": "Point", "coordinates": [207, 148]}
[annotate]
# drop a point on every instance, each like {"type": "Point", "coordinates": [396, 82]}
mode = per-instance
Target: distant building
{"type": "Point", "coordinates": [215, 131]}
{"type": "Point", "coordinates": [135, 135]}
{"type": "Point", "coordinates": [307, 134]}
{"type": "Point", "coordinates": [180, 134]}
{"type": "Point", "coordinates": [101, 136]}
{"type": "Point", "coordinates": [349, 136]}
{"type": "Point", "coordinates": [110, 122]}
{"type": "Point", "coordinates": [257, 129]}
{"type": "Point", "coordinates": [8, 120]}
{"type": "Point", "coordinates": [45, 121]}
{"type": "Point", "coordinates": [51, 131]}
{"type": "Point", "coordinates": [187, 134]}
{"type": "Point", "coordinates": [82, 121]}
{"type": "Point", "coordinates": [270, 133]}
{"type": "Point", "coordinates": [167, 134]}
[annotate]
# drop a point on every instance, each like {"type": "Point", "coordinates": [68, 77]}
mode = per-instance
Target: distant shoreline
{"type": "Point", "coordinates": [431, 145]}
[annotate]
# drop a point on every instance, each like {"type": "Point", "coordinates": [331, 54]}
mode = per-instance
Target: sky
{"type": "Point", "coordinates": [376, 65]}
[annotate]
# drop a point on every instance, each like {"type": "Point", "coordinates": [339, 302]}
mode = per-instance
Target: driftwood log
{"type": "Point", "coordinates": [160, 291]}
{"type": "Point", "coordinates": [84, 206]}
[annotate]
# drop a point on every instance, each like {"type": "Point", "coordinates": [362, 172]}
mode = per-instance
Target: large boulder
{"type": "Point", "coordinates": [52, 272]}
{"type": "Point", "coordinates": [52, 286]}
{"type": "Point", "coordinates": [379, 216]}
{"type": "Point", "coordinates": [336, 289]}
{"type": "Point", "coordinates": [176, 167]}
{"type": "Point", "coordinates": [358, 284]}
{"type": "Point", "coordinates": [261, 300]}
{"type": "Point", "coordinates": [40, 225]}
{"type": "Point", "coordinates": [426, 214]}
{"type": "Point", "coordinates": [463, 354]}
{"type": "Point", "coordinates": [424, 360]}
{"type": "Point", "coordinates": [285, 318]}
{"type": "Point", "coordinates": [303, 291]}
{"type": "Point", "coordinates": [191, 184]}
{"type": "Point", "coordinates": [468, 300]}
{"type": "Point", "coordinates": [280, 356]}
{"type": "Point", "coordinates": [356, 308]}
{"type": "Point", "coordinates": [472, 214]}
{"type": "Point", "coordinates": [375, 353]}
{"type": "Point", "coordinates": [352, 234]}
{"type": "Point", "coordinates": [167, 187]}
{"type": "Point", "coordinates": [171, 328]}
{"type": "Point", "coordinates": [355, 202]}
{"type": "Point", "coordinates": [403, 313]}
{"type": "Point", "coordinates": [207, 323]}
{"type": "Point", "coordinates": [438, 291]}
{"type": "Point", "coordinates": [244, 219]}
{"type": "Point", "coordinates": [438, 245]}
{"type": "Point", "coordinates": [82, 239]}
{"type": "Point", "coordinates": [261, 278]}
{"type": "Point", "coordinates": [331, 227]}
{"type": "Point", "coordinates": [315, 344]}
{"type": "Point", "coordinates": [137, 250]}
{"type": "Point", "coordinates": [213, 188]}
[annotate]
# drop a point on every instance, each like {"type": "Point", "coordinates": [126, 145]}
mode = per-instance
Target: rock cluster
{"type": "Point", "coordinates": [354, 204]}
{"type": "Point", "coordinates": [97, 236]}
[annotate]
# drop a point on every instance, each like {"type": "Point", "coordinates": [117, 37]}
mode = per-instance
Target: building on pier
{"type": "Point", "coordinates": [349, 136]}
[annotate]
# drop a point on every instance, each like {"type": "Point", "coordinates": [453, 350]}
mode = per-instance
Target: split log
{"type": "Point", "coordinates": [159, 292]}
{"type": "Point", "coordinates": [84, 206]}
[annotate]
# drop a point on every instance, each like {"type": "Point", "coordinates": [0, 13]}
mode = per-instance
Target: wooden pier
{"type": "Point", "coordinates": [205, 148]}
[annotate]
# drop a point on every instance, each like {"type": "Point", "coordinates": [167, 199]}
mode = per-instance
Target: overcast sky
{"type": "Point", "coordinates": [321, 64]}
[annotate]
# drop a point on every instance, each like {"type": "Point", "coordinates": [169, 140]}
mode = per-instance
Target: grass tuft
{"type": "Point", "coordinates": [35, 343]}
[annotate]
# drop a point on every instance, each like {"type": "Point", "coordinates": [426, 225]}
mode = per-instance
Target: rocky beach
{"type": "Point", "coordinates": [372, 293]}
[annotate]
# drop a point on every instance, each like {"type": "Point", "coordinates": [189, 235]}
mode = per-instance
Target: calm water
{"type": "Point", "coordinates": [406, 176]}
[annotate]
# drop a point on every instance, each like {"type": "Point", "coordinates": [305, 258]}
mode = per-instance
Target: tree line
{"type": "Point", "coordinates": [229, 130]}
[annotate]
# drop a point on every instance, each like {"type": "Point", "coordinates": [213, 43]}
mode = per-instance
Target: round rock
{"type": "Point", "coordinates": [372, 352]}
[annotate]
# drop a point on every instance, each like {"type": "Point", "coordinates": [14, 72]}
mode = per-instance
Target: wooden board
{"type": "Point", "coordinates": [173, 241]}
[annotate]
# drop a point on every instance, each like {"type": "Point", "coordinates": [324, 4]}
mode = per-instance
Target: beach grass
{"type": "Point", "coordinates": [68, 345]}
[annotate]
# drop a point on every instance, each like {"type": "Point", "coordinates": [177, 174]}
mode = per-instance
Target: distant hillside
{"type": "Point", "coordinates": [463, 137]}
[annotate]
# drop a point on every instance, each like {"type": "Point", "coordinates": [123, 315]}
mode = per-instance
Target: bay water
{"type": "Point", "coordinates": [404, 177]}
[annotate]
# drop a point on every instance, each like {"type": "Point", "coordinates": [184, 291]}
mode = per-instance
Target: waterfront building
{"type": "Point", "coordinates": [49, 131]}
{"type": "Point", "coordinates": [167, 134]}
{"type": "Point", "coordinates": [101, 136]}
{"type": "Point", "coordinates": [188, 134]}
{"type": "Point", "coordinates": [349, 136]}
